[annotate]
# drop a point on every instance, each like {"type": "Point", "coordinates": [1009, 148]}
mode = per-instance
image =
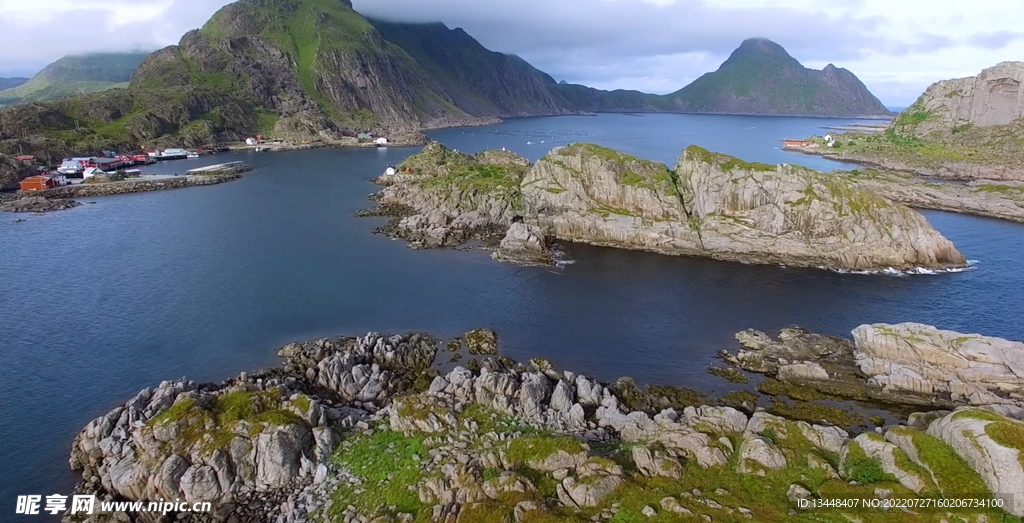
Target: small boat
{"type": "Point", "coordinates": [192, 155]}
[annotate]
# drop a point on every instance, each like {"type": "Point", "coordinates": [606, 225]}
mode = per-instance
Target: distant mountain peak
{"type": "Point", "coordinates": [761, 44]}
{"type": "Point", "coordinates": [761, 77]}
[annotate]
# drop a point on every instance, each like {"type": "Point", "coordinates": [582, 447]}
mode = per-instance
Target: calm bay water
{"type": "Point", "coordinates": [100, 301]}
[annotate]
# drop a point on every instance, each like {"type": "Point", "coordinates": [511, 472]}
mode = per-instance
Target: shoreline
{"type": "Point", "coordinates": [122, 187]}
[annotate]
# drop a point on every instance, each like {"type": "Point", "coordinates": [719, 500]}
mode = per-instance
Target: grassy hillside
{"type": "Point", "coordinates": [75, 75]}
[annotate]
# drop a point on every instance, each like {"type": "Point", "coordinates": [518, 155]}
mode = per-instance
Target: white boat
{"type": "Point", "coordinates": [192, 155]}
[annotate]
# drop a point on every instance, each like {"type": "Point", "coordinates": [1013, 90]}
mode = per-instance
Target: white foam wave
{"type": "Point", "coordinates": [891, 271]}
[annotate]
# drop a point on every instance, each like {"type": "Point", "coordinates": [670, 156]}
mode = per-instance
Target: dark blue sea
{"type": "Point", "coordinates": [102, 300]}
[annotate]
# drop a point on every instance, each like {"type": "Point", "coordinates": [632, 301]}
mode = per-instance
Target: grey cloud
{"type": "Point", "coordinates": [23, 52]}
{"type": "Point", "coordinates": [994, 40]}
{"type": "Point", "coordinates": [636, 44]}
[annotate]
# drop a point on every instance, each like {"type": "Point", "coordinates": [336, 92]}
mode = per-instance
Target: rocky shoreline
{"type": "Point", "coordinates": [37, 204]}
{"type": "Point", "coordinates": [368, 430]}
{"type": "Point", "coordinates": [711, 205]}
{"type": "Point", "coordinates": [990, 199]}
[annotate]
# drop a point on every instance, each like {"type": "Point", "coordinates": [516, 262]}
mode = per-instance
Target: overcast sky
{"type": "Point", "coordinates": [897, 47]}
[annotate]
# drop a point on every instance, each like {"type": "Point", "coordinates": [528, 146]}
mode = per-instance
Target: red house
{"type": "Point", "coordinates": [26, 159]}
{"type": "Point", "coordinates": [38, 183]}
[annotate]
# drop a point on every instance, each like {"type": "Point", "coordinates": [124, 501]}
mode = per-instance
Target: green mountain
{"type": "Point", "coordinates": [760, 77]}
{"type": "Point", "coordinates": [9, 83]}
{"type": "Point", "coordinates": [73, 75]}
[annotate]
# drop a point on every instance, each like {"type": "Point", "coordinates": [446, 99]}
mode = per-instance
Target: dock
{"type": "Point", "coordinates": [221, 168]}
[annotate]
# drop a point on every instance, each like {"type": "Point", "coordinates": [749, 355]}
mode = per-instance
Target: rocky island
{"type": "Point", "coordinates": [710, 205]}
{"type": "Point", "coordinates": [368, 429]}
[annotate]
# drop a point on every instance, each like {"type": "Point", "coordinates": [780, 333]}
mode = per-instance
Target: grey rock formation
{"type": "Point", "coordinates": [906, 363]}
{"type": "Point", "coordinates": [37, 204]}
{"type": "Point", "coordinates": [717, 206]}
{"type": "Point", "coordinates": [997, 460]}
{"type": "Point", "coordinates": [481, 342]}
{"type": "Point", "coordinates": [889, 455]}
{"type": "Point", "coordinates": [451, 197]}
{"type": "Point", "coordinates": [970, 368]}
{"type": "Point", "coordinates": [525, 244]}
{"type": "Point", "coordinates": [757, 454]}
{"type": "Point", "coordinates": [993, 97]}
{"type": "Point", "coordinates": [993, 199]}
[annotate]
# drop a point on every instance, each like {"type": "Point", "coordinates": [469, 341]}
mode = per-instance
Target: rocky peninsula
{"type": "Point", "coordinates": [369, 429]}
{"type": "Point", "coordinates": [962, 129]}
{"type": "Point", "coordinates": [710, 205]}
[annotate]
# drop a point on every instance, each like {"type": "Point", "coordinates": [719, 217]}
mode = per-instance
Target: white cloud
{"type": "Point", "coordinates": [896, 47]}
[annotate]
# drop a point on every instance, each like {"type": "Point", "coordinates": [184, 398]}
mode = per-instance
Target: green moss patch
{"type": "Point", "coordinates": [387, 462]}
{"type": "Point", "coordinates": [538, 448]}
{"type": "Point", "coordinates": [729, 374]}
{"type": "Point", "coordinates": [210, 425]}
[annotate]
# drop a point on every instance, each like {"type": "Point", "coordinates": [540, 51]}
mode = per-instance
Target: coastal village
{"type": "Point", "coordinates": [128, 170]}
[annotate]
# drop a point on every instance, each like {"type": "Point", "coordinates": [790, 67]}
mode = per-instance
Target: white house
{"type": "Point", "coordinates": [830, 140]}
{"type": "Point", "coordinates": [390, 171]}
{"type": "Point", "coordinates": [381, 141]}
{"type": "Point", "coordinates": [90, 172]}
{"type": "Point", "coordinates": [251, 141]}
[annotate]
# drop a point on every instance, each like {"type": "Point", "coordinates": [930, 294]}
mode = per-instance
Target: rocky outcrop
{"type": "Point", "coordinates": [721, 207]}
{"type": "Point", "coordinates": [995, 97]}
{"type": "Point", "coordinates": [251, 441]}
{"type": "Point", "coordinates": [37, 204]}
{"type": "Point", "coordinates": [448, 197]}
{"type": "Point", "coordinates": [968, 368]}
{"type": "Point", "coordinates": [524, 244]}
{"type": "Point", "coordinates": [991, 445]}
{"type": "Point", "coordinates": [988, 198]}
{"type": "Point", "coordinates": [907, 363]}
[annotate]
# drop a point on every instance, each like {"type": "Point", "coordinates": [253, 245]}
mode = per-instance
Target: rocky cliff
{"type": "Point", "coordinates": [721, 207]}
{"type": "Point", "coordinates": [12, 172]}
{"type": "Point", "coordinates": [993, 98]}
{"type": "Point", "coordinates": [760, 77]}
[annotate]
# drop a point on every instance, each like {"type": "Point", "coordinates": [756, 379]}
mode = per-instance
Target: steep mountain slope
{"type": "Point", "coordinates": [10, 83]}
{"type": "Point", "coordinates": [73, 75]}
{"type": "Point", "coordinates": [760, 77]}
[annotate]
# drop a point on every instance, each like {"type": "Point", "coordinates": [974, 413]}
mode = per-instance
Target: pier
{"type": "Point", "coordinates": [221, 168]}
